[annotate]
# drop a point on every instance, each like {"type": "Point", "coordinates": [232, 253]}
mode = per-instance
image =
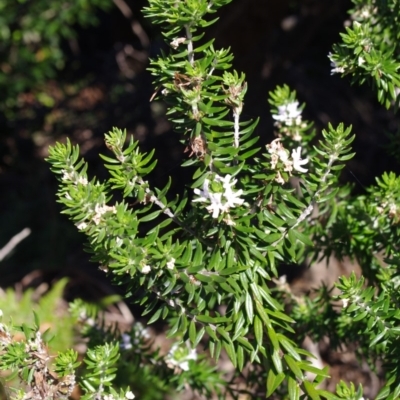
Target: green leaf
{"type": "Point", "coordinates": [276, 359]}
{"type": "Point", "coordinates": [249, 307]}
{"type": "Point", "coordinates": [273, 381]}
{"type": "Point", "coordinates": [192, 332]}
{"type": "Point", "coordinates": [273, 337]}
{"type": "Point", "coordinates": [311, 391]}
{"type": "Point", "coordinates": [258, 330]}
{"type": "Point", "coordinates": [217, 122]}
{"type": "Point", "coordinates": [377, 338]}
{"type": "Point", "coordinates": [293, 366]}
{"type": "Point", "coordinates": [240, 358]}
{"type": "Point", "coordinates": [211, 332]}
{"type": "Point", "coordinates": [294, 389]}
{"type": "Point", "coordinates": [151, 216]}
{"type": "Point", "coordinates": [230, 350]}
{"type": "Point", "coordinates": [224, 334]}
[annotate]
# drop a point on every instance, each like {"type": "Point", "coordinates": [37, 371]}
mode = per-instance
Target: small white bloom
{"type": "Point", "coordinates": [171, 263]}
{"type": "Point", "coordinates": [274, 146]}
{"type": "Point", "coordinates": [96, 219]}
{"type": "Point", "coordinates": [82, 180]}
{"type": "Point", "coordinates": [279, 179]}
{"type": "Point", "coordinates": [361, 61]}
{"type": "Point", "coordinates": [67, 176]}
{"type": "Point", "coordinates": [283, 154]}
{"type": "Point", "coordinates": [142, 331]}
{"type": "Point", "coordinates": [204, 194]}
{"type": "Point", "coordinates": [125, 342]}
{"type": "Point", "coordinates": [289, 114]}
{"type": "Point", "coordinates": [274, 160]}
{"type": "Point", "coordinates": [146, 269]}
{"type": "Point", "coordinates": [297, 161]}
{"type": "Point", "coordinates": [216, 205]}
{"type": "Point", "coordinates": [180, 356]}
{"type": "Point", "coordinates": [82, 226]}
{"type": "Point", "coordinates": [129, 395]}
{"type": "Point", "coordinates": [177, 41]}
{"type": "Point", "coordinates": [345, 302]}
{"type": "Point", "coordinates": [336, 69]}
{"type": "Point", "coordinates": [221, 202]}
{"type": "Point", "coordinates": [101, 209]}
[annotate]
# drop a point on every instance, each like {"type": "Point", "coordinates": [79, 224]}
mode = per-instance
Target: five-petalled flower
{"type": "Point", "coordinates": [222, 200]}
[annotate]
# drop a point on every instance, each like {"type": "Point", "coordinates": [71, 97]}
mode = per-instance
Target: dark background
{"type": "Point", "coordinates": [105, 84]}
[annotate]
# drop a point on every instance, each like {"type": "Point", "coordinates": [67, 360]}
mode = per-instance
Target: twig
{"type": "Point", "coordinates": [9, 247]}
{"type": "Point", "coordinates": [190, 44]}
{"type": "Point", "coordinates": [236, 116]}
{"type": "Point", "coordinates": [136, 27]}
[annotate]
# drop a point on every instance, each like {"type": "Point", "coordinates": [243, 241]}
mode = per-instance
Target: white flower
{"type": "Point", "coordinates": [361, 61]}
{"type": "Point", "coordinates": [180, 356]}
{"type": "Point", "coordinates": [278, 152]}
{"type": "Point", "coordinates": [129, 395]}
{"type": "Point", "coordinates": [146, 269]}
{"type": "Point", "coordinates": [82, 226]}
{"type": "Point", "coordinates": [100, 210]}
{"type": "Point", "coordinates": [177, 41]}
{"type": "Point", "coordinates": [204, 194]}
{"type": "Point", "coordinates": [67, 176]}
{"type": "Point", "coordinates": [141, 330]}
{"type": "Point", "coordinates": [279, 178]}
{"type": "Point", "coordinates": [125, 342]}
{"type": "Point", "coordinates": [297, 161]}
{"type": "Point", "coordinates": [345, 302]}
{"type": "Point", "coordinates": [289, 114]}
{"type": "Point", "coordinates": [274, 146]}
{"type": "Point", "coordinates": [221, 202]}
{"type": "Point", "coordinates": [1, 313]}
{"type": "Point", "coordinates": [336, 69]}
{"type": "Point", "coordinates": [171, 263]}
{"type": "Point", "coordinates": [82, 180]}
{"type": "Point", "coordinates": [216, 205]}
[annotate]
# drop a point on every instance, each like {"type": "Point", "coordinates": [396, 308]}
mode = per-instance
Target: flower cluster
{"type": "Point", "coordinates": [74, 177]}
{"type": "Point", "coordinates": [179, 356]}
{"type": "Point", "coordinates": [288, 119]}
{"type": "Point", "coordinates": [279, 155]}
{"type": "Point", "coordinates": [391, 209]}
{"type": "Point", "coordinates": [138, 334]}
{"type": "Point", "coordinates": [220, 194]}
{"type": "Point", "coordinates": [100, 210]}
{"type": "Point", "coordinates": [289, 114]}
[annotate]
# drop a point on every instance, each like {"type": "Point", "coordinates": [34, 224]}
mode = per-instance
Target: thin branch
{"type": "Point", "coordinates": [168, 211]}
{"type": "Point", "coordinates": [135, 26]}
{"type": "Point", "coordinates": [9, 247]}
{"type": "Point", "coordinates": [236, 116]}
{"type": "Point", "coordinates": [190, 44]}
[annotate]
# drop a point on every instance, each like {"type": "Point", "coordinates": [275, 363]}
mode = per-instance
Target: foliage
{"type": "Point", "coordinates": [207, 261]}
{"type": "Point", "coordinates": [369, 51]}
{"type": "Point", "coordinates": [31, 48]}
{"type": "Point", "coordinates": [48, 308]}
